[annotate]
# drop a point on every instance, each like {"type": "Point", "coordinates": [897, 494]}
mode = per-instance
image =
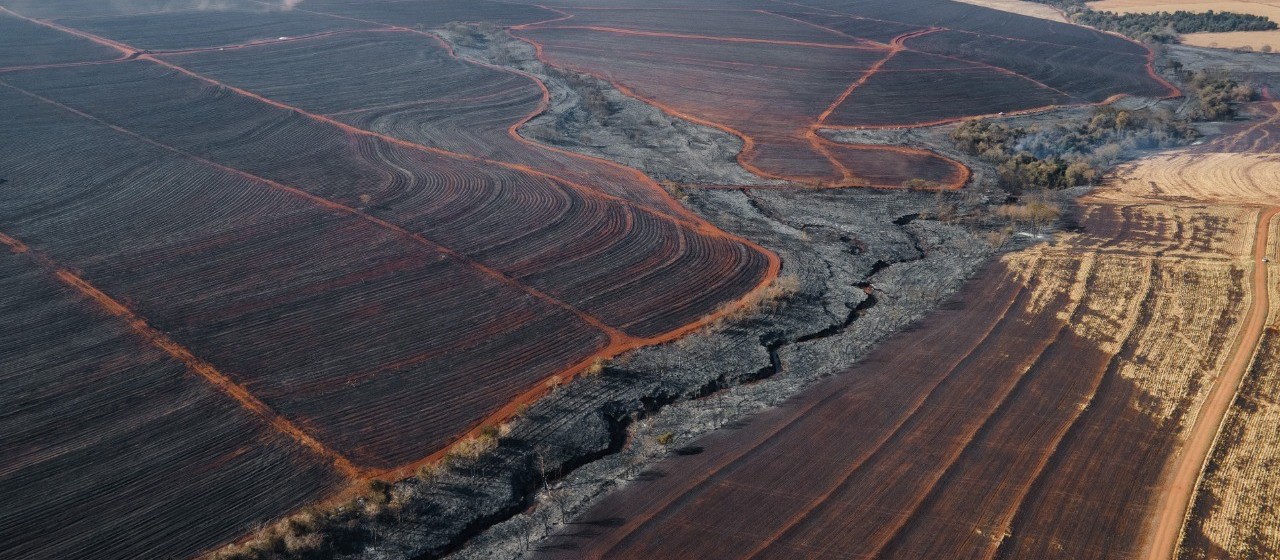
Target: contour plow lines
{"type": "Point", "coordinates": [780, 425]}
{"type": "Point", "coordinates": [619, 341]}
{"type": "Point", "coordinates": [714, 38]}
{"type": "Point", "coordinates": [879, 536]}
{"type": "Point", "coordinates": [683, 217]}
{"type": "Point", "coordinates": [752, 157]}
{"type": "Point", "coordinates": [748, 156]}
{"type": "Point", "coordinates": [1172, 513]}
{"type": "Point", "coordinates": [62, 65]}
{"type": "Point", "coordinates": [615, 336]}
{"type": "Point", "coordinates": [513, 132]}
{"type": "Point", "coordinates": [1172, 90]}
{"type": "Point", "coordinates": [205, 370]}
{"type": "Point", "coordinates": [677, 210]}
{"type": "Point", "coordinates": [262, 42]}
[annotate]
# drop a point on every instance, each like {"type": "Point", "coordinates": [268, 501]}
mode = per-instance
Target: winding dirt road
{"type": "Point", "coordinates": [1171, 515]}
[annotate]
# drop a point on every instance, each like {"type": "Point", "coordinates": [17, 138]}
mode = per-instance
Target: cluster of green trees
{"type": "Point", "coordinates": [1215, 94]}
{"type": "Point", "coordinates": [1160, 27]}
{"type": "Point", "coordinates": [1070, 153]}
{"type": "Point", "coordinates": [1076, 152]}
{"type": "Point", "coordinates": [1164, 27]}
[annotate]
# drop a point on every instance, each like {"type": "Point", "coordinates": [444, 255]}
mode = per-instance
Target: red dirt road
{"type": "Point", "coordinates": [1171, 514]}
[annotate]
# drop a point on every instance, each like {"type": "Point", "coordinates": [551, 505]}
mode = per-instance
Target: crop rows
{"type": "Point", "coordinates": [775, 77]}
{"type": "Point", "coordinates": [941, 89]}
{"type": "Point", "coordinates": [749, 24]}
{"type": "Point", "coordinates": [26, 44]}
{"type": "Point", "coordinates": [1235, 514]}
{"type": "Point", "coordinates": [1232, 513]}
{"type": "Point", "coordinates": [425, 95]}
{"type": "Point", "coordinates": [985, 431]}
{"type": "Point", "coordinates": [280, 292]}
{"type": "Point", "coordinates": [766, 93]}
{"type": "Point", "coordinates": [371, 297]}
{"type": "Point", "coordinates": [115, 447]}
{"type": "Point", "coordinates": [170, 30]}
{"type": "Point", "coordinates": [432, 13]}
{"type": "Point", "coordinates": [1183, 230]}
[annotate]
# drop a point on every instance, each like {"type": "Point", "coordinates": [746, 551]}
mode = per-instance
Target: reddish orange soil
{"type": "Point", "coordinates": [618, 341]}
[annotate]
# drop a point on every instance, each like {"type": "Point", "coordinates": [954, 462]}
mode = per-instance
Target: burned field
{"type": "Point", "coordinates": [365, 299]}
{"type": "Point", "coordinates": [1111, 355]}
{"type": "Point", "coordinates": [260, 256]}
{"type": "Point", "coordinates": [980, 433]}
{"type": "Point", "coordinates": [775, 77]}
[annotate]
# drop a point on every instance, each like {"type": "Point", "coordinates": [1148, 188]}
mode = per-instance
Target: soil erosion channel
{"type": "Point", "coordinates": [1111, 354]}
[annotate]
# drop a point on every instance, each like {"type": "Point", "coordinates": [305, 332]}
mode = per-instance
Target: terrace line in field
{"type": "Point", "coordinates": [1101, 356]}
{"type": "Point", "coordinates": [94, 412]}
{"type": "Point", "coordinates": [378, 295]}
{"type": "Point", "coordinates": [832, 65]}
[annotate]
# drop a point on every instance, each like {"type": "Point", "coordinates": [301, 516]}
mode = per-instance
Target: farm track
{"type": "Point", "coordinates": [803, 155]}
{"type": "Point", "coordinates": [684, 218]}
{"type": "Point", "coordinates": [1180, 489]}
{"type": "Point", "coordinates": [627, 203]}
{"type": "Point", "coordinates": [182, 354]}
{"type": "Point", "coordinates": [691, 235]}
{"type": "Point", "coordinates": [1187, 526]}
{"type": "Point", "coordinates": [1020, 480]}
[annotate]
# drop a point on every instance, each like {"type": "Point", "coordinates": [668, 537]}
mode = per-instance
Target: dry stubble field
{"type": "Point", "coordinates": [1049, 415]}
{"type": "Point", "coordinates": [1231, 40]}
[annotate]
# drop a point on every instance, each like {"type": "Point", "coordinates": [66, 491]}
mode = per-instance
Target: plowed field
{"type": "Point", "coordinates": [254, 256]}
{"type": "Point", "coordinates": [1062, 407]}
{"type": "Point", "coordinates": [775, 76]}
{"type": "Point", "coordinates": [362, 298]}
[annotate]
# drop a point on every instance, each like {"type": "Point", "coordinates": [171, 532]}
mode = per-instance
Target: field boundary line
{"type": "Point", "coordinates": [695, 37]}
{"type": "Point", "coordinates": [1025, 368]}
{"type": "Point", "coordinates": [181, 353]}
{"type": "Point", "coordinates": [1179, 487]}
{"type": "Point", "coordinates": [614, 334]}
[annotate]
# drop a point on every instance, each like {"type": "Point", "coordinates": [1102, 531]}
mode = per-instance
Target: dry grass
{"type": "Point", "coordinates": [1243, 481]}
{"type": "Point", "coordinates": [1172, 230]}
{"type": "Point", "coordinates": [1179, 229]}
{"type": "Point", "coordinates": [1264, 41]}
{"type": "Point", "coordinates": [1190, 177]}
{"type": "Point", "coordinates": [1178, 316]}
{"type": "Point", "coordinates": [1255, 40]}
{"type": "Point", "coordinates": [764, 300]}
{"type": "Point", "coordinates": [1034, 214]}
{"type": "Point", "coordinates": [1269, 8]}
{"type": "Point", "coordinates": [1021, 7]}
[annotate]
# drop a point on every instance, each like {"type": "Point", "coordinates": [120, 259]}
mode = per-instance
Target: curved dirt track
{"type": "Point", "coordinates": [463, 325]}
{"type": "Point", "coordinates": [813, 60]}
{"type": "Point", "coordinates": [1181, 487]}
{"type": "Point", "coordinates": [1130, 390]}
{"type": "Point", "coordinates": [1185, 480]}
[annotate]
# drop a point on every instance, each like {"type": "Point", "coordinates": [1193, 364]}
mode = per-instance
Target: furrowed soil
{"type": "Point", "coordinates": [324, 283]}
{"type": "Point", "coordinates": [1232, 514]}
{"type": "Point", "coordinates": [1061, 406]}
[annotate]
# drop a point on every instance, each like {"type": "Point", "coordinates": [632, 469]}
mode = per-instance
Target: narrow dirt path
{"type": "Point", "coordinates": [1170, 516]}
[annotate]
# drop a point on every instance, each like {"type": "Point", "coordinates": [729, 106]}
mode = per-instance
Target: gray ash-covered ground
{"type": "Point", "coordinates": [865, 264]}
{"type": "Point", "coordinates": [861, 264]}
